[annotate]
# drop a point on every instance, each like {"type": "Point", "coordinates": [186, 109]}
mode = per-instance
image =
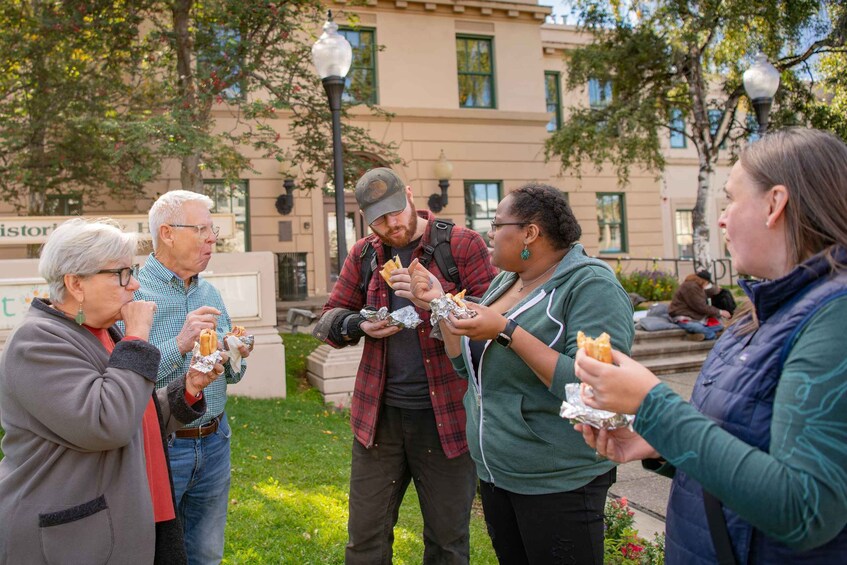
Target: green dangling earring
{"type": "Point", "coordinates": [525, 253]}
{"type": "Point", "coordinates": [80, 315]}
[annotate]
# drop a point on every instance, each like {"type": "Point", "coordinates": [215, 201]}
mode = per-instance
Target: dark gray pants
{"type": "Point", "coordinates": [406, 447]}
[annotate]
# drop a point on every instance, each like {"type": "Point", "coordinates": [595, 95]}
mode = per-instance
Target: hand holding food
{"type": "Point", "coordinates": [206, 354]}
{"type": "Point", "coordinates": [390, 266]}
{"type": "Point", "coordinates": [208, 342]}
{"type": "Point", "coordinates": [600, 348]}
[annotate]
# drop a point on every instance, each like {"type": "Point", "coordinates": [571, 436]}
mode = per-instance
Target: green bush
{"type": "Point", "coordinates": [653, 284]}
{"type": "Point", "coordinates": [623, 545]}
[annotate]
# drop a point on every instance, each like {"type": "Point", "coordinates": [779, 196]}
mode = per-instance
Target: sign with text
{"type": "Point", "coordinates": [25, 230]}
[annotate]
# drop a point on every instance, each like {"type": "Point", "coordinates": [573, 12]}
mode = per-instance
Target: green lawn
{"type": "Point", "coordinates": [290, 472]}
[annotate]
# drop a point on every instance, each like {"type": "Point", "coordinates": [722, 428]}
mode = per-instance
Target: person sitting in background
{"type": "Point", "coordinates": [690, 307]}
{"type": "Point", "coordinates": [85, 474]}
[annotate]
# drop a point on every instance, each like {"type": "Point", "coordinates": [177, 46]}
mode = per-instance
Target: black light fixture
{"type": "Point", "coordinates": [285, 202]}
{"type": "Point", "coordinates": [443, 170]}
{"type": "Point", "coordinates": [761, 82]}
{"type": "Point", "coordinates": [332, 56]}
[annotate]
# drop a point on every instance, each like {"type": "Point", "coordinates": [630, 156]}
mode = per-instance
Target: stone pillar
{"type": "Point", "coordinates": [333, 372]}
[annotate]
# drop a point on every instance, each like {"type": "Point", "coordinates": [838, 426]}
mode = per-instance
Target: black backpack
{"type": "Point", "coordinates": [438, 249]}
{"type": "Point", "coordinates": [724, 301]}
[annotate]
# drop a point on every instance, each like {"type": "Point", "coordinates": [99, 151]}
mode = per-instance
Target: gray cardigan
{"type": "Point", "coordinates": [73, 482]}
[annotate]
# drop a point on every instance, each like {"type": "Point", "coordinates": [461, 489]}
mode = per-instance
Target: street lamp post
{"type": "Point", "coordinates": [332, 56]}
{"type": "Point", "coordinates": [761, 82]}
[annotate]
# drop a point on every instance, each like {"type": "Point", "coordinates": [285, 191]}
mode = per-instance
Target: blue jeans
{"type": "Point", "coordinates": [711, 332]}
{"type": "Point", "coordinates": [201, 475]}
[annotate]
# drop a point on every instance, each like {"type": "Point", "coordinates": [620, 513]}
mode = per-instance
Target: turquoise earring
{"type": "Point", "coordinates": [525, 253]}
{"type": "Point", "coordinates": [80, 315]}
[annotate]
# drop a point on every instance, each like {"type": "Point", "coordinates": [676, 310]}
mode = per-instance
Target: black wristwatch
{"type": "Point", "coordinates": [504, 338]}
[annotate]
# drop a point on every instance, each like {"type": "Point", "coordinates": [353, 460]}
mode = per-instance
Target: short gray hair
{"type": "Point", "coordinates": [167, 209]}
{"type": "Point", "coordinates": [82, 247]}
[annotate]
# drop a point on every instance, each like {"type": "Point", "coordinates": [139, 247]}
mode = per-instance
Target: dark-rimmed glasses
{"type": "Point", "coordinates": [201, 230]}
{"type": "Point", "coordinates": [125, 274]}
{"type": "Point", "coordinates": [497, 225]}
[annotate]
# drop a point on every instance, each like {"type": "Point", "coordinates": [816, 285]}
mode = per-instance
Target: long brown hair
{"type": "Point", "coordinates": [812, 165]}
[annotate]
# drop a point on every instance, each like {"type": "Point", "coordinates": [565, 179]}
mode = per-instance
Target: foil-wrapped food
{"type": "Point", "coordinates": [575, 410]}
{"type": "Point", "coordinates": [406, 317]}
{"type": "Point", "coordinates": [238, 333]}
{"type": "Point", "coordinates": [206, 353]}
{"type": "Point", "coordinates": [443, 306]}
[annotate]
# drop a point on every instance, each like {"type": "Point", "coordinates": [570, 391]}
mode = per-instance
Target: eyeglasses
{"type": "Point", "coordinates": [201, 230]}
{"type": "Point", "coordinates": [497, 225]}
{"type": "Point", "coordinates": [381, 220]}
{"type": "Point", "coordinates": [124, 273]}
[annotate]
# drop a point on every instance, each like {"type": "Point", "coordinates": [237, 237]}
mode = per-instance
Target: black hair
{"type": "Point", "coordinates": [547, 207]}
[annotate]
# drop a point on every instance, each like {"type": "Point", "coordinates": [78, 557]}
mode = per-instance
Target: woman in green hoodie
{"type": "Point", "coordinates": [543, 490]}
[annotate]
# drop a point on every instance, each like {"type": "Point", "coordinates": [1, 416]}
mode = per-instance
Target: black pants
{"type": "Point", "coordinates": [406, 448]}
{"type": "Point", "coordinates": [558, 528]}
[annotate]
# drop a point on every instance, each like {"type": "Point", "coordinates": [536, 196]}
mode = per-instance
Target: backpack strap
{"type": "Point", "coordinates": [439, 249]}
{"type": "Point", "coordinates": [368, 260]}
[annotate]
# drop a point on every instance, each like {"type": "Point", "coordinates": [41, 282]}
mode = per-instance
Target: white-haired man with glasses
{"type": "Point", "coordinates": [183, 239]}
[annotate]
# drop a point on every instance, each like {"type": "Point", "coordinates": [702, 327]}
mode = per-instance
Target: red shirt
{"type": "Point", "coordinates": [446, 388]}
{"type": "Point", "coordinates": [157, 467]}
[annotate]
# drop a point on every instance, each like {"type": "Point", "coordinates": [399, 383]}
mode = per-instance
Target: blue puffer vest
{"type": "Point", "coordinates": [736, 389]}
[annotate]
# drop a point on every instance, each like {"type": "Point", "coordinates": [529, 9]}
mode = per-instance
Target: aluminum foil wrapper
{"type": "Point", "coordinates": [246, 340]}
{"type": "Point", "coordinates": [406, 317]}
{"type": "Point", "coordinates": [575, 410]}
{"type": "Point", "coordinates": [440, 309]}
{"type": "Point", "coordinates": [204, 363]}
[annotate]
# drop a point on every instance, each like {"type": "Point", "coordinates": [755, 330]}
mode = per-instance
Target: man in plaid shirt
{"type": "Point", "coordinates": [406, 413]}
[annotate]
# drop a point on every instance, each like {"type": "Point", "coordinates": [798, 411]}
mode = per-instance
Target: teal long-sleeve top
{"type": "Point", "coordinates": [797, 492]}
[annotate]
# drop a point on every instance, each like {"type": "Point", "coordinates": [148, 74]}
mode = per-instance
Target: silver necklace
{"type": "Point", "coordinates": [526, 284]}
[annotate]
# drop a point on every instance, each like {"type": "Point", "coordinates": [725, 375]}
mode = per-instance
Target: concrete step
{"type": "Point", "coordinates": [675, 364]}
{"type": "Point", "coordinates": [670, 348]}
{"type": "Point", "coordinates": [662, 335]}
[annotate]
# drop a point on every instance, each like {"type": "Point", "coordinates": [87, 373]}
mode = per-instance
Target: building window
{"type": "Point", "coordinates": [714, 124]}
{"type": "Point", "coordinates": [599, 93]}
{"type": "Point", "coordinates": [360, 84]}
{"type": "Point", "coordinates": [475, 61]}
{"type": "Point", "coordinates": [219, 60]}
{"type": "Point", "coordinates": [63, 204]}
{"type": "Point", "coordinates": [678, 139]}
{"type": "Point", "coordinates": [684, 224]}
{"type": "Point", "coordinates": [231, 198]}
{"type": "Point", "coordinates": [611, 221]}
{"type": "Point", "coordinates": [553, 95]}
{"type": "Point", "coordinates": [481, 199]}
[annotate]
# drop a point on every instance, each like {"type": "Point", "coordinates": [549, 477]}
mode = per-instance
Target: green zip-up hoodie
{"type": "Point", "coordinates": [515, 434]}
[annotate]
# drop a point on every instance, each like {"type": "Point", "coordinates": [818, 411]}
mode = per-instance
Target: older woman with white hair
{"type": "Point", "coordinates": [85, 474]}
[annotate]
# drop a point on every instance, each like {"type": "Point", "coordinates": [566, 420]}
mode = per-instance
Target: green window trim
{"type": "Point", "coordinates": [553, 96]}
{"type": "Point", "coordinates": [69, 204]}
{"type": "Point", "coordinates": [363, 71]}
{"type": "Point", "coordinates": [231, 198]}
{"type": "Point", "coordinates": [472, 79]}
{"type": "Point", "coordinates": [611, 219]}
{"type": "Point", "coordinates": [481, 200]}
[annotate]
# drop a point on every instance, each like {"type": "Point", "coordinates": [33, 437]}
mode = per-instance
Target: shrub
{"type": "Point", "coordinates": [653, 284]}
{"type": "Point", "coordinates": [623, 545]}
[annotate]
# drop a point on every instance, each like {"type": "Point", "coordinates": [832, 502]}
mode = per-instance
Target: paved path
{"type": "Point", "coordinates": [648, 492]}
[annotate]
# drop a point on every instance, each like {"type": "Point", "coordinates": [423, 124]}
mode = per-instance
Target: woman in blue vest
{"type": "Point", "coordinates": [759, 456]}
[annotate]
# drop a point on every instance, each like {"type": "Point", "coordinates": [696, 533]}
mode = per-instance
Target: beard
{"type": "Point", "coordinates": [400, 235]}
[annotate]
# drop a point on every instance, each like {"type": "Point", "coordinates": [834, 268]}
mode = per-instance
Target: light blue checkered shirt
{"type": "Point", "coordinates": [173, 304]}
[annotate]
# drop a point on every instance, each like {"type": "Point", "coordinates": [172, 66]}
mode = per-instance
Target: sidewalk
{"type": "Point", "coordinates": [648, 492]}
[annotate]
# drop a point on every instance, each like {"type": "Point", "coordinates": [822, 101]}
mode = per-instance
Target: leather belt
{"type": "Point", "coordinates": [206, 429]}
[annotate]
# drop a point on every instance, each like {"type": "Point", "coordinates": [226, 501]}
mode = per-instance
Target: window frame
{"type": "Point", "coordinates": [492, 75]}
{"type": "Point", "coordinates": [346, 96]}
{"type": "Point", "coordinates": [470, 201]}
{"type": "Point", "coordinates": [64, 204]}
{"type": "Point", "coordinates": [605, 87]}
{"type": "Point", "coordinates": [210, 188]}
{"type": "Point", "coordinates": [715, 124]}
{"type": "Point", "coordinates": [624, 247]}
{"type": "Point", "coordinates": [677, 120]}
{"type": "Point", "coordinates": [678, 233]}
{"type": "Point", "coordinates": [557, 119]}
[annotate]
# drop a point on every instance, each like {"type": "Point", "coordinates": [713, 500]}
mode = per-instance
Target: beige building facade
{"type": "Point", "coordinates": [475, 80]}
